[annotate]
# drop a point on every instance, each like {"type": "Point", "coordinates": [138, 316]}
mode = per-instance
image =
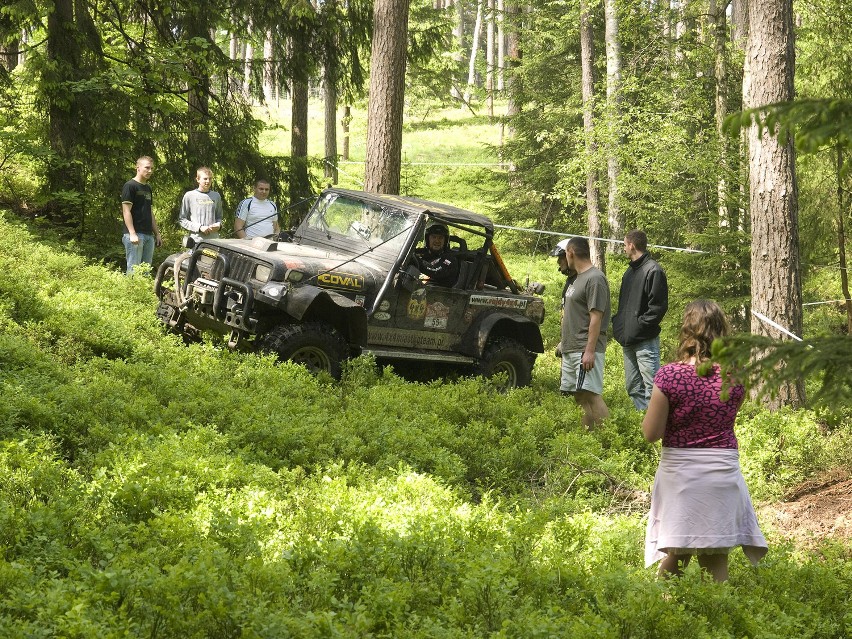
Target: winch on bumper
{"type": "Point", "coordinates": [210, 304]}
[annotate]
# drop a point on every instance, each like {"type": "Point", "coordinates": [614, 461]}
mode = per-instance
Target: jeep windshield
{"type": "Point", "coordinates": [352, 226]}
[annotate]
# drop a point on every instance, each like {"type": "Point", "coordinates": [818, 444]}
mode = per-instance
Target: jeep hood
{"type": "Point", "coordinates": [320, 266]}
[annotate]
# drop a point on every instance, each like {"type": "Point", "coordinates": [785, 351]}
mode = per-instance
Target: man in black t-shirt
{"type": "Point", "coordinates": [141, 234]}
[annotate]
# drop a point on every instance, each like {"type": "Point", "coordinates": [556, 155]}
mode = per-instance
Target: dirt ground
{"type": "Point", "coordinates": [816, 511]}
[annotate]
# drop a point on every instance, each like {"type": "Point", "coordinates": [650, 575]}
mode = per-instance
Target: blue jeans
{"type": "Point", "coordinates": [138, 253]}
{"type": "Point", "coordinates": [641, 362]}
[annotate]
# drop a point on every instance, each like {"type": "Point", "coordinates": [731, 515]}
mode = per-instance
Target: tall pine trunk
{"type": "Point", "coordinates": [587, 62]}
{"type": "Point", "coordinates": [330, 101]}
{"type": "Point", "coordinates": [474, 52]}
{"type": "Point", "coordinates": [613, 112]}
{"type": "Point", "coordinates": [387, 94]}
{"type": "Point", "coordinates": [776, 287]}
{"type": "Point", "coordinates": [489, 59]}
{"type": "Point", "coordinates": [843, 206]}
{"type": "Point", "coordinates": [720, 75]}
{"type": "Point", "coordinates": [300, 186]}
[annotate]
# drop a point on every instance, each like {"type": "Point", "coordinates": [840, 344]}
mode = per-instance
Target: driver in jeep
{"type": "Point", "coordinates": [435, 259]}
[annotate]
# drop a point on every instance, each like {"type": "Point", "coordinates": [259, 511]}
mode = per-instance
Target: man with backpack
{"type": "Point", "coordinates": [257, 216]}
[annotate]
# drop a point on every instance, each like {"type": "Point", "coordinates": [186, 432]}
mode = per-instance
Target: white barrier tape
{"type": "Point", "coordinates": [825, 302]}
{"type": "Point", "coordinates": [765, 319]}
{"type": "Point", "coordinates": [336, 167]}
{"type": "Point", "coordinates": [601, 239]}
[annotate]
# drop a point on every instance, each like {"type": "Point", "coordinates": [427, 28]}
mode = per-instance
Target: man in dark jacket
{"type": "Point", "coordinates": [642, 304]}
{"type": "Point", "coordinates": [435, 259]}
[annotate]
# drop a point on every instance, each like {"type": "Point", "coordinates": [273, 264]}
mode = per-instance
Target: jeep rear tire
{"type": "Point", "coordinates": [509, 357]}
{"type": "Point", "coordinates": [314, 345]}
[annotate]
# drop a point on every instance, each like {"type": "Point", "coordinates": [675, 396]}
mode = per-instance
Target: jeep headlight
{"type": "Point", "coordinates": [275, 290]}
{"type": "Point", "coordinates": [262, 272]}
{"type": "Point", "coordinates": [292, 275]}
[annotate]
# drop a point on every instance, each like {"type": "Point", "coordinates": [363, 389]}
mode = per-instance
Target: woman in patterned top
{"type": "Point", "coordinates": [699, 504]}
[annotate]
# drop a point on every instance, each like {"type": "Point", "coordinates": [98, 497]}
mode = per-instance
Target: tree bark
{"type": "Point", "coordinates": [587, 58]}
{"type": "Point", "coordinates": [9, 54]}
{"type": "Point", "coordinates": [458, 43]}
{"type": "Point", "coordinates": [739, 23]}
{"type": "Point", "coordinates": [720, 76]}
{"type": "Point", "coordinates": [330, 100]}
{"type": "Point", "coordinates": [489, 59]}
{"type": "Point", "coordinates": [514, 54]}
{"type": "Point", "coordinates": [269, 92]}
{"type": "Point", "coordinates": [344, 125]}
{"type": "Point", "coordinates": [841, 241]}
{"type": "Point", "coordinates": [387, 93]}
{"type": "Point", "coordinates": [613, 110]}
{"type": "Point", "coordinates": [249, 61]}
{"type": "Point", "coordinates": [63, 50]}
{"type": "Point", "coordinates": [198, 148]}
{"type": "Point", "coordinates": [501, 45]}
{"type": "Point", "coordinates": [776, 286]}
{"type": "Point", "coordinates": [300, 186]}
{"type": "Point", "coordinates": [474, 51]}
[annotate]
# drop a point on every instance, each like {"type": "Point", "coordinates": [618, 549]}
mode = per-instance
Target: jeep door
{"type": "Point", "coordinates": [428, 318]}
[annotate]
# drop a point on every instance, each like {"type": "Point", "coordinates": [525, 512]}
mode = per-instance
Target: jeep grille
{"type": "Point", "coordinates": [240, 267]}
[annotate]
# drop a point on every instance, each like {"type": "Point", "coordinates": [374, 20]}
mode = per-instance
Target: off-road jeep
{"type": "Point", "coordinates": [345, 282]}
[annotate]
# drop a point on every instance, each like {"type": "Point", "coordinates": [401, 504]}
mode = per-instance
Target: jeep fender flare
{"type": "Point", "coordinates": [493, 325]}
{"type": "Point", "coordinates": [313, 304]}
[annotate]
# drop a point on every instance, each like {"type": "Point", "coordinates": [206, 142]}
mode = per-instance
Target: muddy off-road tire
{"type": "Point", "coordinates": [314, 345]}
{"type": "Point", "coordinates": [509, 357]}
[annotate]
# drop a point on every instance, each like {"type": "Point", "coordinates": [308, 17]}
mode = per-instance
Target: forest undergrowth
{"type": "Point", "coordinates": [149, 488]}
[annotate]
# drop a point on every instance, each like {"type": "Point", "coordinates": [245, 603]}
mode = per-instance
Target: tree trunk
{"type": "Point", "coordinates": [841, 242]}
{"type": "Point", "coordinates": [63, 51]}
{"type": "Point", "coordinates": [234, 52]}
{"type": "Point", "coordinates": [387, 93]}
{"type": "Point", "coordinates": [300, 186]}
{"type": "Point", "coordinates": [587, 63]}
{"type": "Point", "coordinates": [344, 123]}
{"type": "Point", "coordinates": [489, 59]}
{"type": "Point", "coordinates": [268, 70]}
{"type": "Point", "coordinates": [247, 72]}
{"type": "Point", "coordinates": [330, 99]}
{"type": "Point", "coordinates": [474, 51]}
{"type": "Point", "coordinates": [501, 45]}
{"type": "Point", "coordinates": [514, 54]}
{"type": "Point", "coordinates": [720, 76]}
{"type": "Point", "coordinates": [9, 54]}
{"type": "Point", "coordinates": [739, 23]}
{"type": "Point", "coordinates": [776, 286]}
{"type": "Point", "coordinates": [199, 147]}
{"type": "Point", "coordinates": [613, 89]}
{"type": "Point", "coordinates": [458, 43]}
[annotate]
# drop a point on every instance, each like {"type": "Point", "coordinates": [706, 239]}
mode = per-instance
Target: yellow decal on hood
{"type": "Point", "coordinates": [343, 281]}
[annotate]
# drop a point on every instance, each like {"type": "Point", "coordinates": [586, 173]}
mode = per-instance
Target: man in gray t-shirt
{"type": "Point", "coordinates": [201, 209]}
{"type": "Point", "coordinates": [585, 320]}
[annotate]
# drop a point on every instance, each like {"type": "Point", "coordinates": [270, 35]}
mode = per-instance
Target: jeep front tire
{"type": "Point", "coordinates": [314, 345]}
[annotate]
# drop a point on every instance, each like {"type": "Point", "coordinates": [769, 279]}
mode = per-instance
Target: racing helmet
{"type": "Point", "coordinates": [437, 228]}
{"type": "Point", "coordinates": [560, 249]}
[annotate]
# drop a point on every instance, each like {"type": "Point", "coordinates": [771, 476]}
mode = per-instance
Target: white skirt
{"type": "Point", "coordinates": [700, 504]}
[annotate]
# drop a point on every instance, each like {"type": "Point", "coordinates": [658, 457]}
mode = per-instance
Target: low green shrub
{"type": "Point", "coordinates": [148, 488]}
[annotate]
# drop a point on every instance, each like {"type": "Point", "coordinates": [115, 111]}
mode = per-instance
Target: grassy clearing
{"type": "Point", "coordinates": [448, 155]}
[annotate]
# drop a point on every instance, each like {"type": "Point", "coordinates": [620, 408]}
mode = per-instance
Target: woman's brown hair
{"type": "Point", "coordinates": [703, 321]}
